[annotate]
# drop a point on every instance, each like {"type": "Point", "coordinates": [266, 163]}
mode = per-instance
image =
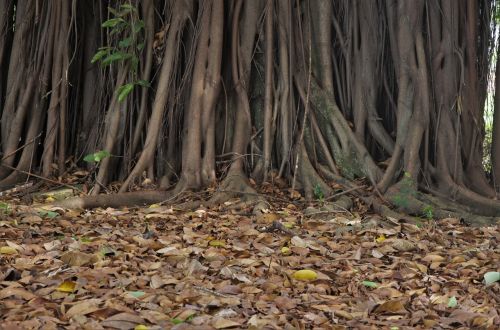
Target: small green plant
{"type": "Point", "coordinates": [126, 24]}
{"type": "Point", "coordinates": [318, 193]}
{"type": "Point", "coordinates": [428, 212]}
{"type": "Point", "coordinates": [47, 214]}
{"type": "Point", "coordinates": [176, 320]}
{"type": "Point", "coordinates": [96, 157]}
{"type": "Point", "coordinates": [5, 208]}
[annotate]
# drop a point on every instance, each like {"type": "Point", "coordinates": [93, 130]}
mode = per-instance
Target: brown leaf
{"type": "Point", "coordinates": [83, 307]}
{"type": "Point", "coordinates": [222, 323]}
{"type": "Point", "coordinates": [391, 307]}
{"type": "Point", "coordinates": [403, 245]}
{"type": "Point", "coordinates": [433, 258]}
{"type": "Point", "coordinates": [122, 321]}
{"type": "Point", "coordinates": [76, 258]}
{"type": "Point", "coordinates": [18, 292]}
{"type": "Point", "coordinates": [285, 303]}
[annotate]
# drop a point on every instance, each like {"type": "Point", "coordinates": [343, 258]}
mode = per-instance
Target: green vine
{"type": "Point", "coordinates": [126, 48]}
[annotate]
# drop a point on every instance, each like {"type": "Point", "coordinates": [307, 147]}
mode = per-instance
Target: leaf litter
{"type": "Point", "coordinates": [161, 268]}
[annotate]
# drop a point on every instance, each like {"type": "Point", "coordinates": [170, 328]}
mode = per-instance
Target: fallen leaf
{"type": "Point", "coordinates": [491, 277]}
{"type": "Point", "coordinates": [370, 284]}
{"type": "Point", "coordinates": [377, 254]}
{"type": "Point", "coordinates": [7, 250]}
{"type": "Point", "coordinates": [83, 308]}
{"type": "Point", "coordinates": [217, 243]}
{"type": "Point", "coordinates": [305, 275]}
{"type": "Point", "coordinates": [433, 258]}
{"type": "Point", "coordinates": [122, 321]}
{"type": "Point", "coordinates": [76, 258]}
{"type": "Point", "coordinates": [222, 323]}
{"type": "Point", "coordinates": [19, 292]}
{"type": "Point", "coordinates": [67, 286]}
{"type": "Point", "coordinates": [403, 245]}
{"type": "Point", "coordinates": [298, 242]}
{"type": "Point", "coordinates": [391, 307]}
{"type": "Point", "coordinates": [285, 250]}
{"type": "Point", "coordinates": [452, 302]}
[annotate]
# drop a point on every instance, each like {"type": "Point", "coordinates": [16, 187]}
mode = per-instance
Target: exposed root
{"type": "Point", "coordinates": [236, 186]}
{"type": "Point", "coordinates": [310, 179]}
{"type": "Point", "coordinates": [426, 206]}
{"type": "Point", "coordinates": [136, 198]}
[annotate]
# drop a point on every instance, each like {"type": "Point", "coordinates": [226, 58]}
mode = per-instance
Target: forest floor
{"type": "Point", "coordinates": [162, 268]}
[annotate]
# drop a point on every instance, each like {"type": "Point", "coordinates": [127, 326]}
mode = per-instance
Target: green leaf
{"type": "Point", "coordinates": [100, 54]}
{"type": "Point", "coordinates": [97, 156]}
{"type": "Point", "coordinates": [118, 29]}
{"type": "Point", "coordinates": [452, 302]}
{"type": "Point", "coordinates": [125, 42]}
{"type": "Point", "coordinates": [138, 26]}
{"type": "Point", "coordinates": [89, 158]}
{"type": "Point", "coordinates": [48, 214]}
{"type": "Point", "coordinates": [136, 294]}
{"type": "Point", "coordinates": [4, 206]}
{"type": "Point", "coordinates": [113, 11]}
{"type": "Point", "coordinates": [134, 62]}
{"type": "Point", "coordinates": [127, 8]}
{"type": "Point", "coordinates": [370, 284]}
{"type": "Point", "coordinates": [124, 90]}
{"type": "Point", "coordinates": [113, 22]}
{"type": "Point", "coordinates": [140, 46]}
{"type": "Point", "coordinates": [100, 155]}
{"type": "Point", "coordinates": [143, 83]}
{"type": "Point", "coordinates": [116, 56]}
{"type": "Point", "coordinates": [491, 277]}
{"type": "Point", "coordinates": [176, 321]}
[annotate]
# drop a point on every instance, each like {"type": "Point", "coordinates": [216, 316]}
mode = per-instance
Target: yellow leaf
{"type": "Point", "coordinates": [217, 243]}
{"type": "Point", "coordinates": [152, 206]}
{"type": "Point", "coordinates": [380, 239]}
{"type": "Point", "coordinates": [285, 251]}
{"type": "Point", "coordinates": [67, 286]}
{"type": "Point", "coordinates": [141, 327]}
{"type": "Point", "coordinates": [7, 250]}
{"type": "Point", "coordinates": [49, 199]}
{"type": "Point", "coordinates": [305, 275]}
{"type": "Point", "coordinates": [288, 225]}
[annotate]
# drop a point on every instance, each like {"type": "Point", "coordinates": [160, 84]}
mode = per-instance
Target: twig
{"type": "Point", "coordinates": [215, 293]}
{"type": "Point", "coordinates": [42, 178]}
{"type": "Point", "coordinates": [344, 192]}
{"type": "Point", "coordinates": [21, 147]}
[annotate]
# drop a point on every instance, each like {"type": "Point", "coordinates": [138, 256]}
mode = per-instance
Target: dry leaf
{"type": "Point", "coordinates": [391, 307]}
{"type": "Point", "coordinates": [222, 323]}
{"type": "Point", "coordinates": [83, 307]}
{"type": "Point", "coordinates": [67, 286]}
{"type": "Point", "coordinates": [76, 258]}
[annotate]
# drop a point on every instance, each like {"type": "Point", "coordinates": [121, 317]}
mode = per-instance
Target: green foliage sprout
{"type": "Point", "coordinates": [428, 212]}
{"type": "Point", "coordinates": [5, 208]}
{"type": "Point", "coordinates": [96, 157]}
{"type": "Point", "coordinates": [318, 193]}
{"type": "Point", "coordinates": [125, 24]}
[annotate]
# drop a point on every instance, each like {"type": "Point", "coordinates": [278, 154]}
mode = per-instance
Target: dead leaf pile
{"type": "Point", "coordinates": [157, 268]}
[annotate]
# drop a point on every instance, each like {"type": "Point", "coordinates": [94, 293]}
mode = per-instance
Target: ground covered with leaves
{"type": "Point", "coordinates": [298, 266]}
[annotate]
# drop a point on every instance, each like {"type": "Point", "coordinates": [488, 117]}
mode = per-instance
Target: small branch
{"type": "Point", "coordinates": [42, 178]}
